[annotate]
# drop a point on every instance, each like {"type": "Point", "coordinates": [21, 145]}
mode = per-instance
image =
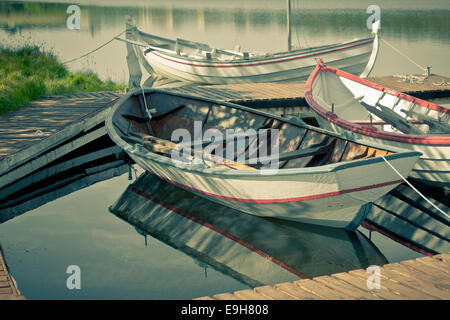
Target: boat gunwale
{"type": "Point", "coordinates": [423, 139]}
{"type": "Point", "coordinates": [203, 170]}
{"type": "Point", "coordinates": [278, 57]}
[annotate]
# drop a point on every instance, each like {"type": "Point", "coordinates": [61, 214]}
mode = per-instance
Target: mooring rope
{"type": "Point", "coordinates": [98, 48]}
{"type": "Point", "coordinates": [409, 184]}
{"type": "Point", "coordinates": [145, 102]}
{"type": "Point", "coordinates": [404, 55]}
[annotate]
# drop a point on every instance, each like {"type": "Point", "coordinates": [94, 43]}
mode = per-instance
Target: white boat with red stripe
{"type": "Point", "coordinates": [199, 63]}
{"type": "Point", "coordinates": [366, 111]}
{"type": "Point", "coordinates": [319, 178]}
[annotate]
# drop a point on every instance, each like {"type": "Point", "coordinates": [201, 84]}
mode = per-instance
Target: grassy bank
{"type": "Point", "coordinates": [29, 73]}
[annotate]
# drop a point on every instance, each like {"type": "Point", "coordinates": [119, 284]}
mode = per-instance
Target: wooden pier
{"type": "Point", "coordinates": [33, 137]}
{"type": "Point", "coordinates": [8, 286]}
{"type": "Point", "coordinates": [426, 278]}
{"type": "Point", "coordinates": [291, 94]}
{"type": "Point", "coordinates": [27, 131]}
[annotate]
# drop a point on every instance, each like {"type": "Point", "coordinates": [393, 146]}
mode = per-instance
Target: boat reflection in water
{"type": "Point", "coordinates": [404, 216]}
{"type": "Point", "coordinates": [252, 249]}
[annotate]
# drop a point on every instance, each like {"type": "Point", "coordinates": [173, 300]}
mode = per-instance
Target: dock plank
{"type": "Point", "coordinates": [427, 269]}
{"type": "Point", "coordinates": [420, 276]}
{"type": "Point", "coordinates": [435, 263]}
{"type": "Point", "coordinates": [321, 290]}
{"type": "Point", "coordinates": [297, 292]}
{"type": "Point", "coordinates": [225, 296]}
{"type": "Point", "coordinates": [382, 292]}
{"type": "Point", "coordinates": [249, 295]}
{"type": "Point", "coordinates": [346, 288]}
{"type": "Point", "coordinates": [8, 287]}
{"type": "Point", "coordinates": [273, 294]}
{"type": "Point", "coordinates": [396, 286]}
{"type": "Point", "coordinates": [415, 284]}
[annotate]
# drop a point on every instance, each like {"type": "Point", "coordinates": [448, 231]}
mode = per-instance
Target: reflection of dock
{"type": "Point", "coordinates": [32, 137]}
{"type": "Point", "coordinates": [8, 287]}
{"type": "Point", "coordinates": [425, 278]}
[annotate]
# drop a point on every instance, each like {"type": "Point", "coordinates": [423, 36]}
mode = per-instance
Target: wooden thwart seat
{"type": "Point", "coordinates": [166, 147]}
{"type": "Point", "coordinates": [307, 152]}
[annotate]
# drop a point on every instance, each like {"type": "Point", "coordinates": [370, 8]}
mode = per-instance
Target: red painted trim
{"type": "Point", "coordinates": [426, 139]}
{"type": "Point", "coordinates": [232, 65]}
{"type": "Point", "coordinates": [295, 199]}
{"type": "Point", "coordinates": [220, 231]}
{"type": "Point", "coordinates": [373, 227]}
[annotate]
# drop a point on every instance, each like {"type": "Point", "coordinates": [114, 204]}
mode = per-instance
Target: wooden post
{"type": "Point", "coordinates": [289, 24]}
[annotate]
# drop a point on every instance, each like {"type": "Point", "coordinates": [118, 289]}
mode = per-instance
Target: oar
{"type": "Point", "coordinates": [166, 147]}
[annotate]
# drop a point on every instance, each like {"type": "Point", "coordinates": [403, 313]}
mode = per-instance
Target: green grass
{"type": "Point", "coordinates": [29, 73]}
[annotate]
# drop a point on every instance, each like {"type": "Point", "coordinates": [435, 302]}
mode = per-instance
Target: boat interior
{"type": "Point", "coordinates": [366, 106]}
{"type": "Point", "coordinates": [200, 51]}
{"type": "Point", "coordinates": [151, 123]}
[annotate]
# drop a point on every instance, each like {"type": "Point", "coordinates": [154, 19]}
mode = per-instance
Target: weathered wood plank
{"type": "Point", "coordinates": [297, 292]}
{"type": "Point", "coordinates": [273, 294]}
{"type": "Point", "coordinates": [435, 263]}
{"type": "Point", "coordinates": [346, 288]}
{"type": "Point", "coordinates": [443, 257]}
{"type": "Point", "coordinates": [204, 298]}
{"type": "Point", "coordinates": [382, 292]}
{"type": "Point", "coordinates": [225, 296]}
{"type": "Point", "coordinates": [427, 269]}
{"type": "Point", "coordinates": [413, 283]}
{"type": "Point", "coordinates": [249, 295]}
{"type": "Point", "coordinates": [321, 290]}
{"type": "Point", "coordinates": [420, 276]}
{"type": "Point", "coordinates": [395, 286]}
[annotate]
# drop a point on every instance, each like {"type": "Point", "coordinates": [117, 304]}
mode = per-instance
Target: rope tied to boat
{"type": "Point", "coordinates": [404, 55]}
{"type": "Point", "coordinates": [96, 49]}
{"type": "Point", "coordinates": [412, 187]}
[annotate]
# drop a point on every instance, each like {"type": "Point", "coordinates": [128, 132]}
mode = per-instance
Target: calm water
{"type": "Point", "coordinates": [417, 28]}
{"type": "Point", "coordinates": [115, 262]}
{"type": "Point", "coordinates": [78, 229]}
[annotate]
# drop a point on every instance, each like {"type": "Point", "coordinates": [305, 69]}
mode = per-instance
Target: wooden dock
{"type": "Point", "coordinates": [32, 137]}
{"type": "Point", "coordinates": [28, 130]}
{"type": "Point", "coordinates": [8, 286]}
{"type": "Point", "coordinates": [291, 94]}
{"type": "Point", "coordinates": [426, 278]}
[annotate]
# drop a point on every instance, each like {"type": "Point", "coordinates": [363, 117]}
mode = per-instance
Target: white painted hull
{"type": "Point", "coordinates": [433, 166]}
{"type": "Point", "coordinates": [328, 198]}
{"type": "Point", "coordinates": [353, 57]}
{"type": "Point", "coordinates": [338, 100]}
{"type": "Point", "coordinates": [326, 191]}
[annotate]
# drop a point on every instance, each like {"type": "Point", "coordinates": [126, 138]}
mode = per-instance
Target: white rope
{"type": "Point", "coordinates": [145, 103]}
{"type": "Point", "coordinates": [409, 184]}
{"type": "Point", "coordinates": [92, 51]}
{"type": "Point", "coordinates": [404, 55]}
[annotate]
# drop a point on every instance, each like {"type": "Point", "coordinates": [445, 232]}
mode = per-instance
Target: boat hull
{"type": "Point", "coordinates": [352, 57]}
{"type": "Point", "coordinates": [432, 168]}
{"type": "Point", "coordinates": [337, 99]}
{"type": "Point", "coordinates": [333, 198]}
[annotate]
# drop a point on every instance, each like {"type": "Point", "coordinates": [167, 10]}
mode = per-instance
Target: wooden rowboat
{"type": "Point", "coordinates": [251, 249]}
{"type": "Point", "coordinates": [363, 110]}
{"type": "Point", "coordinates": [198, 63]}
{"type": "Point", "coordinates": [302, 167]}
